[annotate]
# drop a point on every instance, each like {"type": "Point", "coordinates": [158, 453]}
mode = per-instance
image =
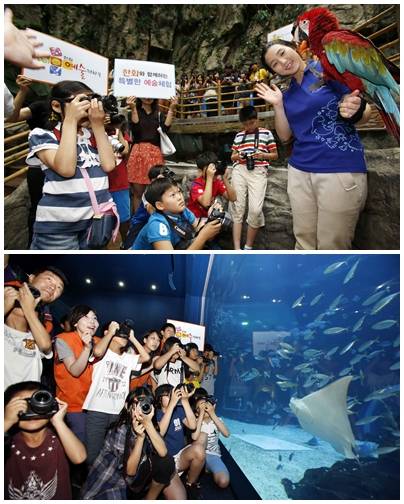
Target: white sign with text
{"type": "Point", "coordinates": [189, 333]}
{"type": "Point", "coordinates": [143, 79]}
{"type": "Point", "coordinates": [70, 62]}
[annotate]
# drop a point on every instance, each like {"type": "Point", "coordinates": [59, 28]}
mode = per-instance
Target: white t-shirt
{"type": "Point", "coordinates": [210, 428]}
{"type": "Point", "coordinates": [170, 373]}
{"type": "Point", "coordinates": [208, 380]}
{"type": "Point", "coordinates": [110, 384]}
{"type": "Point", "coordinates": [22, 357]}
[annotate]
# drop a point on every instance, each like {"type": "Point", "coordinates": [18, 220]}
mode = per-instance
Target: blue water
{"type": "Point", "coordinates": [267, 315]}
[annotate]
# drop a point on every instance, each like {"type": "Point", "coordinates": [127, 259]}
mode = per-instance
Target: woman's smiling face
{"type": "Point", "coordinates": [283, 60]}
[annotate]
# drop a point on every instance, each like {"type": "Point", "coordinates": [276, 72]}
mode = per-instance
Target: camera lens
{"type": "Point", "coordinates": [145, 406]}
{"type": "Point", "coordinates": [41, 402]}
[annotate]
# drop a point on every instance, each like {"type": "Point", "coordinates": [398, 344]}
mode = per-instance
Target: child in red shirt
{"type": "Point", "coordinates": [208, 186]}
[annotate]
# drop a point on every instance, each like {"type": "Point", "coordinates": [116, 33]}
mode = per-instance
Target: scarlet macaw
{"type": "Point", "coordinates": [353, 60]}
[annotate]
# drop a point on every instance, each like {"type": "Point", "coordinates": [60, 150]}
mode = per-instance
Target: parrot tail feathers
{"type": "Point", "coordinates": [391, 124]}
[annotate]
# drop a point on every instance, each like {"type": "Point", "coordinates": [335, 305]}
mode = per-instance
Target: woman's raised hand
{"type": "Point", "coordinates": [78, 108]}
{"type": "Point", "coordinates": [271, 94]}
{"type": "Point", "coordinates": [131, 102]}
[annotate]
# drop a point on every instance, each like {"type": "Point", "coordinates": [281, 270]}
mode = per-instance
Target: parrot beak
{"type": "Point", "coordinates": [303, 32]}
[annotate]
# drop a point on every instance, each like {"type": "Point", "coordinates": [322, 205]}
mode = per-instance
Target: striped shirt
{"type": "Point", "coordinates": [246, 143]}
{"type": "Point", "coordinates": [65, 206]}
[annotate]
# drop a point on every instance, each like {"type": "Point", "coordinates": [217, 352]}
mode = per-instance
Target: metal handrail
{"type": "Point", "coordinates": [374, 18]}
{"type": "Point", "coordinates": [16, 174]}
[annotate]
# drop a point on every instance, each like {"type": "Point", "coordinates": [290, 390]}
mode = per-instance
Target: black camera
{"type": "Point", "coordinates": [221, 166]}
{"type": "Point", "coordinates": [41, 405]}
{"type": "Point", "coordinates": [250, 161]}
{"type": "Point", "coordinates": [189, 387]}
{"type": "Point", "coordinates": [168, 173]}
{"type": "Point", "coordinates": [34, 291]}
{"type": "Point", "coordinates": [210, 399]}
{"type": "Point", "coordinates": [124, 329]}
{"type": "Point", "coordinates": [109, 103]}
{"type": "Point", "coordinates": [146, 404]}
{"type": "Point", "coordinates": [223, 217]}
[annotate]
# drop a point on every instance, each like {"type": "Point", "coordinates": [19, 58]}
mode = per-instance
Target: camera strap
{"type": "Point", "coordinates": [185, 231]}
{"type": "Point", "coordinates": [256, 138]}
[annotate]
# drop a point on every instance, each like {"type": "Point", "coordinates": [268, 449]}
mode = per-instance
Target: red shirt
{"type": "Point", "coordinates": [37, 473]}
{"type": "Point", "coordinates": [197, 189]}
{"type": "Point", "coordinates": [118, 178]}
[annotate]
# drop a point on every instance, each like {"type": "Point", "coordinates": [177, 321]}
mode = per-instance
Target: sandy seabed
{"type": "Point", "coordinates": [261, 466]}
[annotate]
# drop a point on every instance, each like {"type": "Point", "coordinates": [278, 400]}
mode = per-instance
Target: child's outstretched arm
{"type": "Point", "coordinates": [74, 448]}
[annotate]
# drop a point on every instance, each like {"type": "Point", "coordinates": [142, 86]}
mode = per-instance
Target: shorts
{"type": "Point", "coordinates": [122, 202]}
{"type": "Point", "coordinates": [215, 464]}
{"type": "Point", "coordinates": [177, 459]}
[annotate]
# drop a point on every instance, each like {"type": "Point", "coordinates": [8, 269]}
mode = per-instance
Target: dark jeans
{"type": "Point", "coordinates": [77, 423]}
{"type": "Point", "coordinates": [96, 427]}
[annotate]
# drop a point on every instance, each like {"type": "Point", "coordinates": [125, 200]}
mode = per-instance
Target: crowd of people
{"type": "Point", "coordinates": [95, 163]}
{"type": "Point", "coordinates": [200, 92]}
{"type": "Point", "coordinates": [136, 416]}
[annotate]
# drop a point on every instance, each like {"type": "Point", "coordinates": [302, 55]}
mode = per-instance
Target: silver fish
{"type": "Point", "coordinates": [299, 367]}
{"type": "Point", "coordinates": [366, 345]}
{"type": "Point", "coordinates": [333, 267]}
{"type": "Point", "coordinates": [373, 298]}
{"type": "Point", "coordinates": [373, 354]}
{"type": "Point", "coordinates": [307, 370]}
{"type": "Point", "coordinates": [386, 449]}
{"type": "Point", "coordinates": [356, 359]}
{"type": "Point", "coordinates": [395, 366]}
{"type": "Point", "coordinates": [250, 375]}
{"type": "Point", "coordinates": [281, 377]}
{"type": "Point", "coordinates": [383, 393]}
{"type": "Point", "coordinates": [345, 371]}
{"type": "Point", "coordinates": [286, 346]}
{"type": "Point", "coordinates": [383, 302]}
{"type": "Point", "coordinates": [336, 302]}
{"type": "Point", "coordinates": [284, 354]}
{"type": "Point", "coordinates": [358, 324]}
{"type": "Point", "coordinates": [396, 342]}
{"type": "Point", "coordinates": [384, 324]}
{"type": "Point", "coordinates": [347, 348]}
{"type": "Point", "coordinates": [298, 302]}
{"type": "Point", "coordinates": [316, 299]}
{"type": "Point", "coordinates": [335, 330]}
{"type": "Point", "coordinates": [331, 352]}
{"type": "Point", "coordinates": [368, 420]}
{"type": "Point", "coordinates": [286, 384]}
{"type": "Point", "coordinates": [323, 381]}
{"type": "Point", "coordinates": [351, 273]}
{"type": "Point", "coordinates": [309, 382]}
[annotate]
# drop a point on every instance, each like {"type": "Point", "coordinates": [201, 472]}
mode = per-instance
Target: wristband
{"type": "Point", "coordinates": [357, 116]}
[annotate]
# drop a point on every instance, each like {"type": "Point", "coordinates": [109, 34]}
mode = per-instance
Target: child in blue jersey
{"type": "Point", "coordinates": [172, 224]}
{"type": "Point", "coordinates": [67, 144]}
{"type": "Point", "coordinates": [327, 184]}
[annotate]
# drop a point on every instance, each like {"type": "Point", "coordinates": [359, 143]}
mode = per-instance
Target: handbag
{"type": "Point", "coordinates": [105, 222]}
{"type": "Point", "coordinates": [166, 146]}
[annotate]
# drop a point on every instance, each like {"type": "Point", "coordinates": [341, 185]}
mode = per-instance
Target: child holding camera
{"type": "Point", "coordinates": [208, 426]}
{"type": "Point", "coordinates": [62, 149]}
{"type": "Point", "coordinates": [253, 149]}
{"type": "Point", "coordinates": [37, 465]}
{"type": "Point", "coordinates": [172, 418]}
{"type": "Point", "coordinates": [208, 186]}
{"type": "Point", "coordinates": [110, 382]}
{"type": "Point", "coordinates": [134, 455]}
{"type": "Point", "coordinates": [169, 366]}
{"type": "Point", "coordinates": [172, 225]}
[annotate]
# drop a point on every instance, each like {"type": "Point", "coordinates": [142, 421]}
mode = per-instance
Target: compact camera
{"type": "Point", "coordinates": [210, 399]}
{"type": "Point", "coordinates": [221, 166]}
{"type": "Point", "coordinates": [146, 405]}
{"type": "Point", "coordinates": [34, 291]}
{"type": "Point", "coordinates": [109, 103]}
{"type": "Point", "coordinates": [117, 146]}
{"type": "Point", "coordinates": [41, 404]}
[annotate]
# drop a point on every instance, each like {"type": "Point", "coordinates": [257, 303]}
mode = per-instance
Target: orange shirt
{"type": "Point", "coordinates": [140, 381]}
{"type": "Point", "coordinates": [69, 388]}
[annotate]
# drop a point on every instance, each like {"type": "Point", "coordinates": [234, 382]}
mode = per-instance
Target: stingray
{"type": "Point", "coordinates": [270, 442]}
{"type": "Point", "coordinates": [324, 414]}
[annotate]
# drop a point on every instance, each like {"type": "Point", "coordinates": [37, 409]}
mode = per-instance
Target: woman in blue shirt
{"type": "Point", "coordinates": [327, 183]}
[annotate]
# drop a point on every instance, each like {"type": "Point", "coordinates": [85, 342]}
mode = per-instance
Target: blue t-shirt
{"type": "Point", "coordinates": [323, 143]}
{"type": "Point", "coordinates": [175, 437]}
{"type": "Point", "coordinates": [158, 229]}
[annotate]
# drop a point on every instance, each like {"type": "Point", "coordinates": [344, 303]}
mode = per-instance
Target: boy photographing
{"type": "Point", "coordinates": [172, 224]}
{"type": "Point", "coordinates": [208, 185]}
{"type": "Point", "coordinates": [253, 149]}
